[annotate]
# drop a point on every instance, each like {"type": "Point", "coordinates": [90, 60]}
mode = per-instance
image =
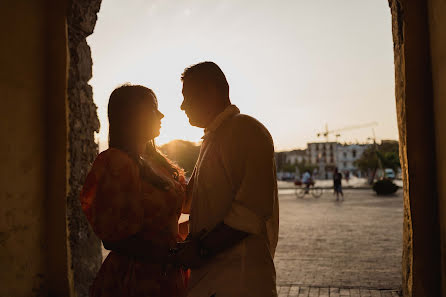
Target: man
{"type": "Point", "coordinates": [337, 184]}
{"type": "Point", "coordinates": [233, 203]}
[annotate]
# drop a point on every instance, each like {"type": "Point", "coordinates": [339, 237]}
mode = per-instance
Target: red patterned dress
{"type": "Point", "coordinates": [118, 204]}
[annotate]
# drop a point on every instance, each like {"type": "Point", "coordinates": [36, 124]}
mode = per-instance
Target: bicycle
{"type": "Point", "coordinates": [302, 190]}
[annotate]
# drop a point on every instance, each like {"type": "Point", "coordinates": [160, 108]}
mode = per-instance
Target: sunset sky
{"type": "Point", "coordinates": [294, 65]}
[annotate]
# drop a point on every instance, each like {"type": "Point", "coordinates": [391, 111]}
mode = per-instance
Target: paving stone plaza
{"type": "Point", "coordinates": [348, 248]}
{"type": "Point", "coordinates": [300, 291]}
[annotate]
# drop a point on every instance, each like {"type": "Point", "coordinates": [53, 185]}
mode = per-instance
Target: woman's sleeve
{"type": "Point", "coordinates": [111, 198]}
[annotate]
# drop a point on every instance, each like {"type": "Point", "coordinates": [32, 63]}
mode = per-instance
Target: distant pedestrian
{"type": "Point", "coordinates": [337, 184]}
{"type": "Point", "coordinates": [347, 176]}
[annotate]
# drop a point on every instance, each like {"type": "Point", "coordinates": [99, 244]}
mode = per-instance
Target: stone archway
{"type": "Point", "coordinates": [85, 247]}
{"type": "Point", "coordinates": [421, 242]}
{"type": "Point", "coordinates": [413, 81]}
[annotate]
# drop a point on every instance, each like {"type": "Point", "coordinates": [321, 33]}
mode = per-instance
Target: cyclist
{"type": "Point", "coordinates": [307, 180]}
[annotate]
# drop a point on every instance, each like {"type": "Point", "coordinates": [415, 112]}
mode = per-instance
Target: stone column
{"type": "Point", "coordinates": [414, 102]}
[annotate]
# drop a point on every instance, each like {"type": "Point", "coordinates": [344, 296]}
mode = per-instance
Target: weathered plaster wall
{"type": "Point", "coordinates": [437, 26]}
{"type": "Point", "coordinates": [83, 122]}
{"type": "Point", "coordinates": [415, 105]}
{"type": "Point", "coordinates": [59, 277]}
{"type": "Point", "coordinates": [46, 246]}
{"type": "Point", "coordinates": [22, 153]}
{"type": "Point", "coordinates": [33, 154]}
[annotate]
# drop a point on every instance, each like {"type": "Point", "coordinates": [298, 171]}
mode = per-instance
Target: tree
{"type": "Point", "coordinates": [287, 167]}
{"type": "Point", "coordinates": [390, 160]}
{"type": "Point", "coordinates": [184, 153]}
{"type": "Point", "coordinates": [368, 160]}
{"type": "Point", "coordinates": [306, 166]}
{"type": "Point", "coordinates": [387, 153]}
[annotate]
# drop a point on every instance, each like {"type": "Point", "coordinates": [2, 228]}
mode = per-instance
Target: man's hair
{"type": "Point", "coordinates": [205, 73]}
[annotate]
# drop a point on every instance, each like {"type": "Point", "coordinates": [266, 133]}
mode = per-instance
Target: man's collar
{"type": "Point", "coordinates": [229, 111]}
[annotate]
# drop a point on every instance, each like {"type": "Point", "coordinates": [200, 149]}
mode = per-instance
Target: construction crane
{"type": "Point", "coordinates": [327, 132]}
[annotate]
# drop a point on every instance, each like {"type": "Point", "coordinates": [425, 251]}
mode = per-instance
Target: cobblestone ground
{"type": "Point", "coordinates": [327, 246]}
{"type": "Point", "coordinates": [299, 291]}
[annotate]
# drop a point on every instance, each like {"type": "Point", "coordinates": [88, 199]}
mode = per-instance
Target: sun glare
{"type": "Point", "coordinates": [294, 67]}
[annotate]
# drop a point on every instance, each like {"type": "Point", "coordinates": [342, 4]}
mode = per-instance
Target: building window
{"type": "Point", "coordinates": [354, 153]}
{"type": "Point", "coordinates": [345, 154]}
{"type": "Point", "coordinates": [345, 164]}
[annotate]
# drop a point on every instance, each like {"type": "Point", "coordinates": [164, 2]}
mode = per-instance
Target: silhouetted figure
{"type": "Point", "coordinates": [337, 184]}
{"type": "Point", "coordinates": [132, 198]}
{"type": "Point", "coordinates": [234, 215]}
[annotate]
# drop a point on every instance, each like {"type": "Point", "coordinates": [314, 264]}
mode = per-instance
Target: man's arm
{"type": "Point", "coordinates": [195, 252]}
{"type": "Point", "coordinates": [134, 246]}
{"type": "Point", "coordinates": [221, 238]}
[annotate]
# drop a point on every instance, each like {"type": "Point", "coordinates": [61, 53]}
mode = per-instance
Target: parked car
{"type": "Point", "coordinates": [389, 173]}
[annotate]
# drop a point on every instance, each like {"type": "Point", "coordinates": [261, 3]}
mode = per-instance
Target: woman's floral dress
{"type": "Point", "coordinates": [119, 204]}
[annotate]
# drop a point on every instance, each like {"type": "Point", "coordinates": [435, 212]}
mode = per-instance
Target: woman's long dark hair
{"type": "Point", "coordinates": [123, 103]}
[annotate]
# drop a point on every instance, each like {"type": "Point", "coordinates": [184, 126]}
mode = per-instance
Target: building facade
{"type": "Point", "coordinates": [324, 156]}
{"type": "Point", "coordinates": [347, 155]}
{"type": "Point", "coordinates": [296, 156]}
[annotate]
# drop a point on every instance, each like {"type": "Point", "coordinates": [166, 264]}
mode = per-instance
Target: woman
{"type": "Point", "coordinates": [133, 198]}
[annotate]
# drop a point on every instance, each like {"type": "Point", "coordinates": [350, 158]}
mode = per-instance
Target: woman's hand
{"type": "Point", "coordinates": [142, 250]}
{"type": "Point", "coordinates": [187, 254]}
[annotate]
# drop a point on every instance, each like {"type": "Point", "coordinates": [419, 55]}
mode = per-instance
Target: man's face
{"type": "Point", "coordinates": [198, 104]}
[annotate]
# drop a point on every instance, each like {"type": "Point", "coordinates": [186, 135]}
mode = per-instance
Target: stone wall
{"type": "Point", "coordinates": [398, 41]}
{"type": "Point", "coordinates": [83, 122]}
{"type": "Point", "coordinates": [415, 113]}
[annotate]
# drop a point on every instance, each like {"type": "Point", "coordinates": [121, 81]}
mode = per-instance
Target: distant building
{"type": "Point", "coordinates": [329, 155]}
{"type": "Point", "coordinates": [324, 156]}
{"type": "Point", "coordinates": [296, 156]}
{"type": "Point", "coordinates": [322, 152]}
{"type": "Point", "coordinates": [347, 155]}
{"type": "Point", "coordinates": [280, 160]}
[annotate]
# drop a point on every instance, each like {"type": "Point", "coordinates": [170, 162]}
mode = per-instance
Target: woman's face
{"type": "Point", "coordinates": [148, 121]}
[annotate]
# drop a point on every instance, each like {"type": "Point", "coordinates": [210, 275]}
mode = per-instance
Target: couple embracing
{"type": "Point", "coordinates": [133, 197]}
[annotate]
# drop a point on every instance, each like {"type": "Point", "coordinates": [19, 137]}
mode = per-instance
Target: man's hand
{"type": "Point", "coordinates": [144, 250]}
{"type": "Point", "coordinates": [197, 250]}
{"type": "Point", "coordinates": [187, 254]}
